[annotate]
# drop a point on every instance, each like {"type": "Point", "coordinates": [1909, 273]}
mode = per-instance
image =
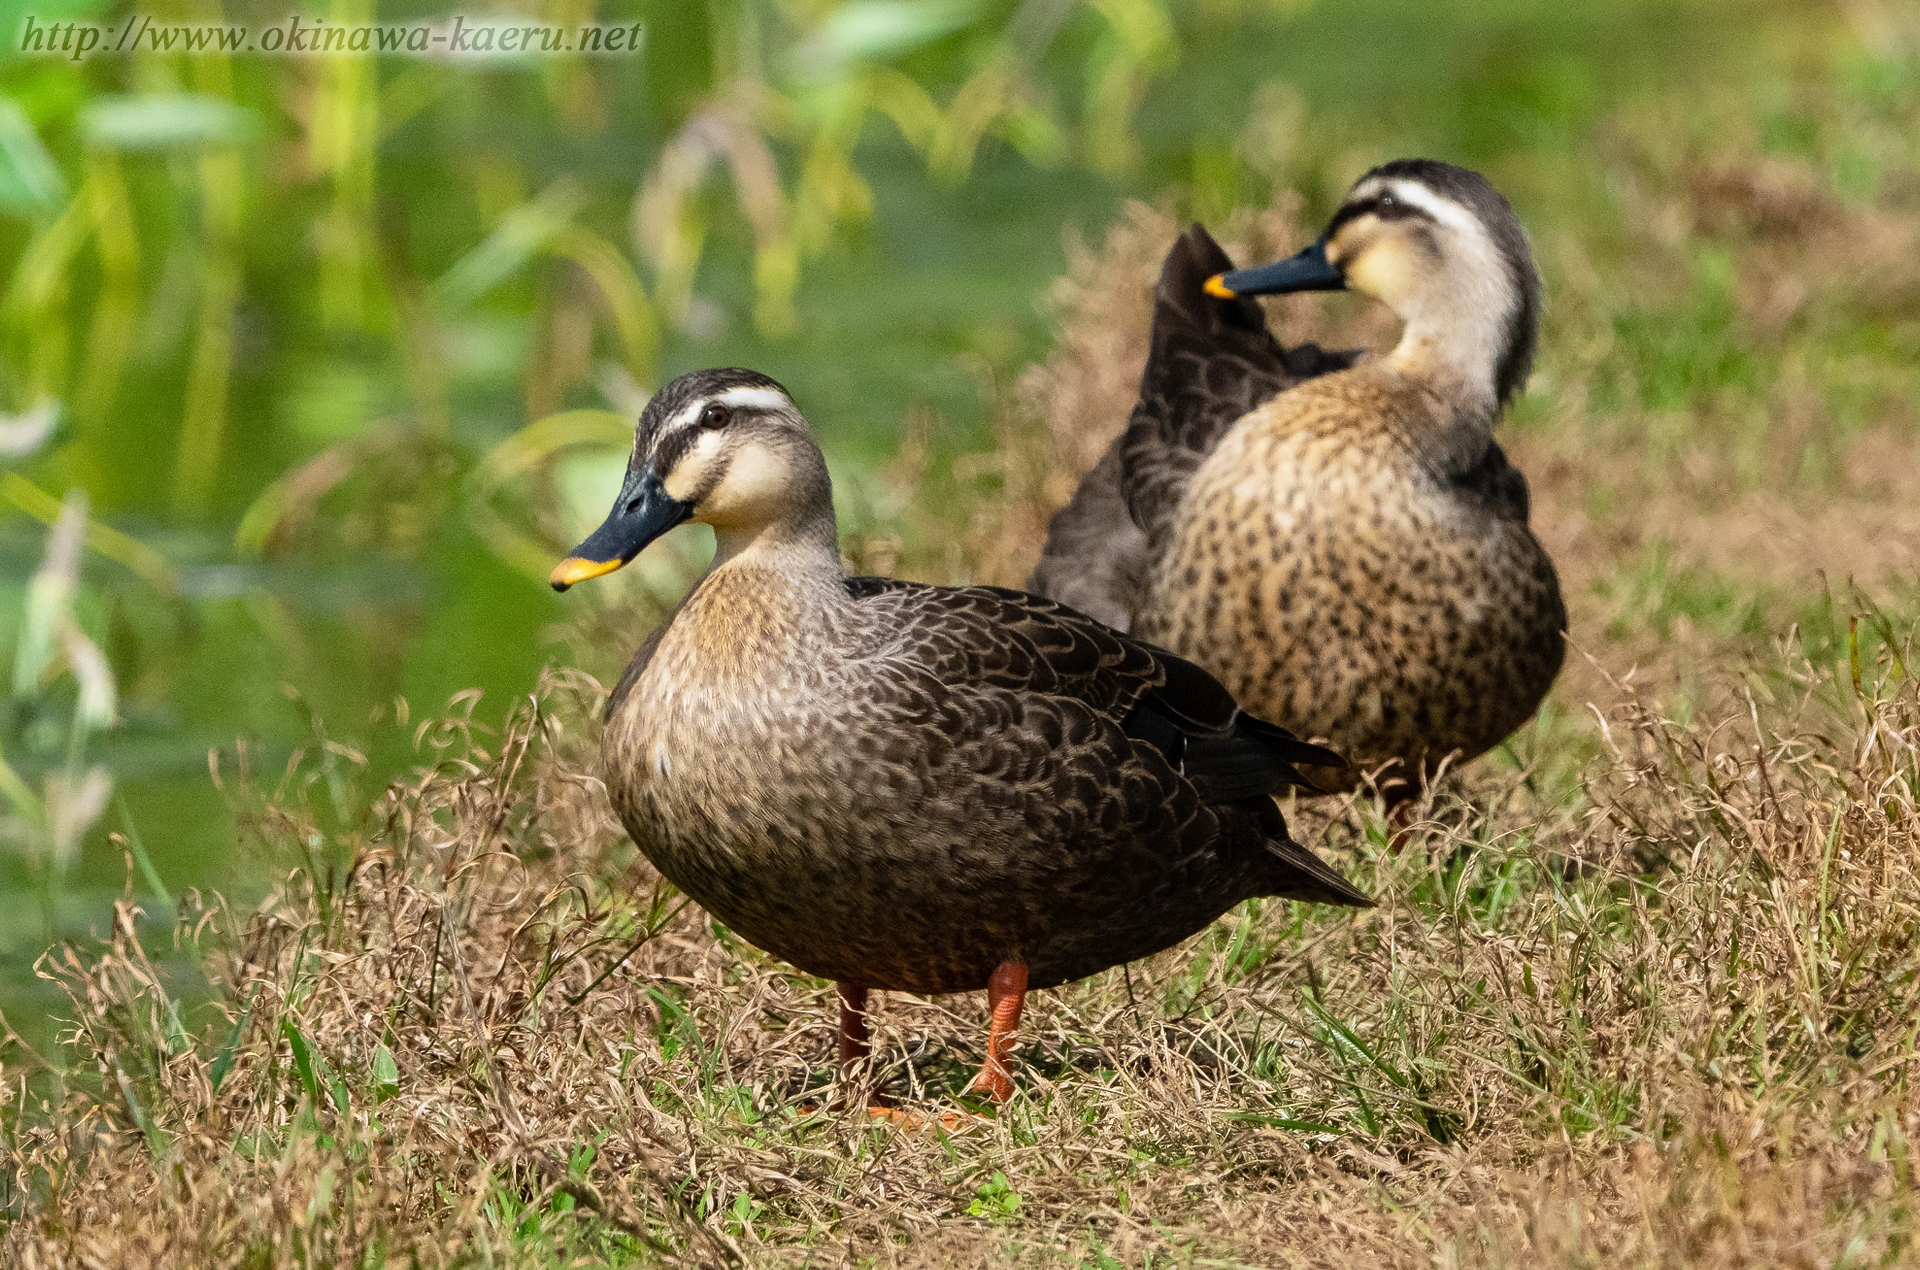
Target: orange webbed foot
{"type": "Point", "coordinates": [1006, 994]}
{"type": "Point", "coordinates": [913, 1122]}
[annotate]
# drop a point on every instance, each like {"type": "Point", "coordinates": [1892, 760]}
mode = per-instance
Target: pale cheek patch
{"type": "Point", "coordinates": [755, 483]}
{"type": "Point", "coordinates": [1385, 271]}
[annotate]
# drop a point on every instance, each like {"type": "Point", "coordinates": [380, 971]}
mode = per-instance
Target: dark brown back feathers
{"type": "Point", "coordinates": [1209, 362]}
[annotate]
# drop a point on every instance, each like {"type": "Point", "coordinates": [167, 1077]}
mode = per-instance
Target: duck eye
{"type": "Point", "coordinates": [1386, 203]}
{"type": "Point", "coordinates": [714, 416]}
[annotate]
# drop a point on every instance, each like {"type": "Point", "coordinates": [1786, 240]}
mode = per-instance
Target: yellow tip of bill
{"type": "Point", "coordinates": [574, 569]}
{"type": "Point", "coordinates": [1218, 288]}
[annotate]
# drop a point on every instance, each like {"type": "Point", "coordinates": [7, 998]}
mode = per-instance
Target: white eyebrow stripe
{"type": "Point", "coordinates": [747, 398]}
{"type": "Point", "coordinates": [688, 414]}
{"type": "Point", "coordinates": [744, 397]}
{"type": "Point", "coordinates": [1444, 210]}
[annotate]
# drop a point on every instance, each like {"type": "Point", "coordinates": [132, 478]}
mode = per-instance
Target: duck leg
{"type": "Point", "coordinates": [1399, 818]}
{"type": "Point", "coordinates": [1006, 994]}
{"type": "Point", "coordinates": [855, 1040]}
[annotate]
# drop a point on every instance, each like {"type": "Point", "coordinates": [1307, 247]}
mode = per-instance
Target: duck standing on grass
{"type": "Point", "coordinates": [908, 787]}
{"type": "Point", "coordinates": [1351, 556]}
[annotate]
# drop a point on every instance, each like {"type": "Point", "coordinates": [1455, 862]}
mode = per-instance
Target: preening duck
{"type": "Point", "coordinates": [909, 787]}
{"type": "Point", "coordinates": [1210, 363]}
{"type": "Point", "coordinates": [1351, 556]}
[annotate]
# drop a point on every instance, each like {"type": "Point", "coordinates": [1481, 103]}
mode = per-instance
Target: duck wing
{"type": "Point", "coordinates": [1497, 484]}
{"type": "Point", "coordinates": [1034, 645]}
{"type": "Point", "coordinates": [1057, 660]}
{"type": "Point", "coordinates": [635, 668]}
{"type": "Point", "coordinates": [1209, 362]}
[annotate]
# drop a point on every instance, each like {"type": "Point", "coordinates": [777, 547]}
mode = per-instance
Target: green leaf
{"type": "Point", "coordinates": [145, 863]}
{"type": "Point", "coordinates": [224, 1060]}
{"type": "Point", "coordinates": [161, 120]}
{"type": "Point", "coordinates": [26, 804]}
{"type": "Point", "coordinates": [1283, 1122]}
{"type": "Point", "coordinates": [1353, 1040]}
{"type": "Point", "coordinates": [996, 1199]}
{"type": "Point", "coordinates": [156, 1140]}
{"type": "Point", "coordinates": [884, 28]}
{"type": "Point", "coordinates": [29, 181]}
{"type": "Point", "coordinates": [386, 1073]}
{"type": "Point", "coordinates": [302, 1060]}
{"type": "Point", "coordinates": [521, 234]}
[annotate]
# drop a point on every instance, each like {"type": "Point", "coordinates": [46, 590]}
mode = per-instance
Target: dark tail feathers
{"type": "Point", "coordinates": [1314, 880]}
{"type": "Point", "coordinates": [1181, 295]}
{"type": "Point", "coordinates": [1286, 745]}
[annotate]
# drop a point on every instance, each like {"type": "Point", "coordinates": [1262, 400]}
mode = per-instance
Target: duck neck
{"type": "Point", "coordinates": [767, 600]}
{"type": "Point", "coordinates": [805, 548]}
{"type": "Point", "coordinates": [785, 572]}
{"type": "Point", "coordinates": [1457, 353]}
{"type": "Point", "coordinates": [1460, 323]}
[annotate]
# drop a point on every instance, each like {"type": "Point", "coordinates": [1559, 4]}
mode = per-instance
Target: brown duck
{"type": "Point", "coordinates": [1210, 363]}
{"type": "Point", "coordinates": [919, 788]}
{"type": "Point", "coordinates": [1351, 555]}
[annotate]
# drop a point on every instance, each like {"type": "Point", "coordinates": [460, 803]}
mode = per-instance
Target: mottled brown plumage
{"type": "Point", "coordinates": [1209, 362]}
{"type": "Point", "coordinates": [903, 786]}
{"type": "Point", "coordinates": [1351, 555]}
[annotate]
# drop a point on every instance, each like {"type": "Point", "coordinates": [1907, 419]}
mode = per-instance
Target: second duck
{"type": "Point", "coordinates": [1352, 557]}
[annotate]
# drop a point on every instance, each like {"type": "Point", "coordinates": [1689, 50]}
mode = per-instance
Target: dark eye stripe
{"type": "Point", "coordinates": [1384, 206]}
{"type": "Point", "coordinates": [671, 448]}
{"type": "Point", "coordinates": [674, 446]}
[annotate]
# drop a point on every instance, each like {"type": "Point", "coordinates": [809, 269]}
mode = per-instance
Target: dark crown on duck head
{"type": "Point", "coordinates": [673, 420]}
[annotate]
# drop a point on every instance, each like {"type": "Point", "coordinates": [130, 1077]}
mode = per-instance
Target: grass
{"type": "Point", "coordinates": [1641, 991]}
{"type": "Point", "coordinates": [1670, 1021]}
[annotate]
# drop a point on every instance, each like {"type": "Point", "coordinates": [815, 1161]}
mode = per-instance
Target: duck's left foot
{"type": "Point", "coordinates": [1006, 994]}
{"type": "Point", "coordinates": [914, 1122]}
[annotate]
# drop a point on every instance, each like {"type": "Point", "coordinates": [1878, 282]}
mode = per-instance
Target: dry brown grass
{"type": "Point", "coordinates": [1672, 1024]}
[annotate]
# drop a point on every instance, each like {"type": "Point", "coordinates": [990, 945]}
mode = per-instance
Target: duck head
{"type": "Point", "coordinates": [1439, 246]}
{"type": "Point", "coordinates": [726, 448]}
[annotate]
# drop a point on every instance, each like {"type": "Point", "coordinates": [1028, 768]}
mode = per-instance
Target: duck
{"type": "Point", "coordinates": [1351, 555]}
{"type": "Point", "coordinates": [904, 787]}
{"type": "Point", "coordinates": [1222, 361]}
